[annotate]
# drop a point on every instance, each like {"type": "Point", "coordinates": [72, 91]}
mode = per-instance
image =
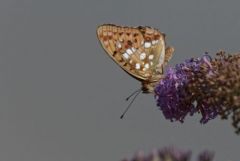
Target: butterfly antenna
{"type": "Point", "coordinates": [132, 94]}
{"type": "Point", "coordinates": [129, 105]}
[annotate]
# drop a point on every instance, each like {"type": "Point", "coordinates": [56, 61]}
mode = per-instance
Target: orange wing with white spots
{"type": "Point", "coordinates": [139, 51]}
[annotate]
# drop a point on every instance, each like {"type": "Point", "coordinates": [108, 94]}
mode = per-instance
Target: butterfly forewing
{"type": "Point", "coordinates": [139, 51]}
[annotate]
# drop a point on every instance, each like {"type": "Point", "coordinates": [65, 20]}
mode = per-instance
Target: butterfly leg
{"type": "Point", "coordinates": [168, 54]}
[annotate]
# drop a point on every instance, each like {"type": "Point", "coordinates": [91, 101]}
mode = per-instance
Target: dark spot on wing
{"type": "Point", "coordinates": [114, 53]}
{"type": "Point", "coordinates": [129, 43]}
{"type": "Point", "coordinates": [135, 34]}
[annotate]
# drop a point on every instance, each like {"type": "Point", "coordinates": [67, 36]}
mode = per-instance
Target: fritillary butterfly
{"type": "Point", "coordinates": [140, 51]}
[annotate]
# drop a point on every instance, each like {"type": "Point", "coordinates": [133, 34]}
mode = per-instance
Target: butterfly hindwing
{"type": "Point", "coordinates": [139, 51]}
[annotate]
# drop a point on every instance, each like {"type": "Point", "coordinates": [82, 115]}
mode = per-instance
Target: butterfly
{"type": "Point", "coordinates": [140, 51]}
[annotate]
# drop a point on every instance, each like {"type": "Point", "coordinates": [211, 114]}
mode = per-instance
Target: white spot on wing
{"type": "Point", "coordinates": [146, 65]}
{"type": "Point", "coordinates": [129, 51]}
{"type": "Point", "coordinates": [137, 66]}
{"type": "Point", "coordinates": [147, 44]}
{"type": "Point", "coordinates": [118, 44]}
{"type": "Point", "coordinates": [154, 42]}
{"type": "Point", "coordinates": [125, 55]}
{"type": "Point", "coordinates": [150, 57]}
{"type": "Point", "coordinates": [142, 56]}
{"type": "Point", "coordinates": [133, 49]}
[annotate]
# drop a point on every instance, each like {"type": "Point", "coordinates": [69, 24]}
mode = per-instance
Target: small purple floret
{"type": "Point", "coordinates": [172, 96]}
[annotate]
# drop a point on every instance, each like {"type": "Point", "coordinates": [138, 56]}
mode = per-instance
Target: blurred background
{"type": "Point", "coordinates": [61, 96]}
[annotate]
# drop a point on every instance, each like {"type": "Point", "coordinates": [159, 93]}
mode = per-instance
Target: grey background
{"type": "Point", "coordinates": [61, 96]}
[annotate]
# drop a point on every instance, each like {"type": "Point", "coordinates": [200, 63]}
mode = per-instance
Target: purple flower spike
{"type": "Point", "coordinates": [171, 94]}
{"type": "Point", "coordinates": [206, 156]}
{"type": "Point", "coordinates": [203, 85]}
{"type": "Point", "coordinates": [170, 154]}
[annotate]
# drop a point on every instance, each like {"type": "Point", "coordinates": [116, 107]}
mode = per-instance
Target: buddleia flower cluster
{"type": "Point", "coordinates": [206, 85]}
{"type": "Point", "coordinates": [171, 154]}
